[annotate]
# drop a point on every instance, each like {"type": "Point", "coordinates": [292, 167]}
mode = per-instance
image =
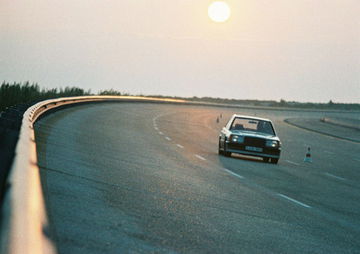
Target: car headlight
{"type": "Point", "coordinates": [237, 139]}
{"type": "Point", "coordinates": [272, 143]}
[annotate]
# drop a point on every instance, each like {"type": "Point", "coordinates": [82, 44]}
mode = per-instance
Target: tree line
{"type": "Point", "coordinates": [23, 93]}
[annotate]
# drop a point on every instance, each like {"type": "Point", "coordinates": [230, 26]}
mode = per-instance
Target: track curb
{"type": "Point", "coordinates": [320, 132]}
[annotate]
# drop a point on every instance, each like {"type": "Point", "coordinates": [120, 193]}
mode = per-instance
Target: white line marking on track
{"type": "Point", "coordinates": [200, 157]}
{"type": "Point", "coordinates": [356, 159]}
{"type": "Point", "coordinates": [293, 200]}
{"type": "Point", "coordinates": [180, 146]}
{"type": "Point", "coordinates": [168, 138]}
{"type": "Point", "coordinates": [234, 174]}
{"type": "Point", "coordinates": [328, 152]}
{"type": "Point", "coordinates": [334, 176]}
{"type": "Point", "coordinates": [294, 163]}
{"type": "Point", "coordinates": [161, 133]}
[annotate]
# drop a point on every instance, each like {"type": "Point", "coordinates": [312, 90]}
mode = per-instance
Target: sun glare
{"type": "Point", "coordinates": [219, 11]}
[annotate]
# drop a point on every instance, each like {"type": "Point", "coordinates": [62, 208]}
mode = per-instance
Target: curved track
{"type": "Point", "coordinates": [144, 178]}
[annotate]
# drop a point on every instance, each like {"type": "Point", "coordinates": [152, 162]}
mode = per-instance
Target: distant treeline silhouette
{"type": "Point", "coordinates": [112, 92]}
{"type": "Point", "coordinates": [20, 93]}
{"type": "Point", "coordinates": [282, 103]}
{"type": "Point", "coordinates": [23, 93]}
{"type": "Point", "coordinates": [270, 103]}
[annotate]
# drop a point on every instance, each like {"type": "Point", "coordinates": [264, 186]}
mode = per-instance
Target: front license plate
{"type": "Point", "coordinates": [253, 149]}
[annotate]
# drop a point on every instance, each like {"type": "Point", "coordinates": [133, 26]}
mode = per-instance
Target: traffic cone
{"type": "Point", "coordinates": [308, 156]}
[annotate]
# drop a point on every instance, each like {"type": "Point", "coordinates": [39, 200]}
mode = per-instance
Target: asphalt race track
{"type": "Point", "coordinates": [146, 178]}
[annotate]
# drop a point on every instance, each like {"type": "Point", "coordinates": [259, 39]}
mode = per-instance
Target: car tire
{"type": "Point", "coordinates": [274, 161]}
{"type": "Point", "coordinates": [219, 150]}
{"type": "Point", "coordinates": [226, 153]}
{"type": "Point", "coordinates": [266, 159]}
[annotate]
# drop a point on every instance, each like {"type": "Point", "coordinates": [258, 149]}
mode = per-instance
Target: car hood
{"type": "Point", "coordinates": [255, 135]}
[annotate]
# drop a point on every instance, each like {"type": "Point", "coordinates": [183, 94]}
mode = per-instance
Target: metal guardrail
{"type": "Point", "coordinates": [24, 224]}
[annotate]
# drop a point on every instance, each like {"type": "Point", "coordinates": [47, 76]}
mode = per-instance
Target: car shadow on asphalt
{"type": "Point", "coordinates": [222, 158]}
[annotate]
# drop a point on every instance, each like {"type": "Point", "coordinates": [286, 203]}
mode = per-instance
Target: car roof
{"type": "Point", "coordinates": [251, 117]}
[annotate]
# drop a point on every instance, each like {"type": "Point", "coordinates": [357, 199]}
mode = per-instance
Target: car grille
{"type": "Point", "coordinates": [257, 142]}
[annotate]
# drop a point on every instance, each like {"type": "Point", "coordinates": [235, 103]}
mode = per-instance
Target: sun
{"type": "Point", "coordinates": [219, 11]}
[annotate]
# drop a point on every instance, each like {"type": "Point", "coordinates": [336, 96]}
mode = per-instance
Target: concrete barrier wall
{"type": "Point", "coordinates": [24, 225]}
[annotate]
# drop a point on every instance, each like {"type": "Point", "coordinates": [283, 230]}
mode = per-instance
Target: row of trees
{"type": "Point", "coordinates": [272, 103]}
{"type": "Point", "coordinates": [112, 92]}
{"type": "Point", "coordinates": [19, 93]}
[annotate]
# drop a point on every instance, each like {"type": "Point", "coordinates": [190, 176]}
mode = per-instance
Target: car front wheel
{"type": "Point", "coordinates": [274, 161]}
{"type": "Point", "coordinates": [266, 159]}
{"type": "Point", "coordinates": [219, 150]}
{"type": "Point", "coordinates": [226, 153]}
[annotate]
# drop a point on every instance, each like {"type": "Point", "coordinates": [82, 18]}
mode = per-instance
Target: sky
{"type": "Point", "coordinates": [298, 50]}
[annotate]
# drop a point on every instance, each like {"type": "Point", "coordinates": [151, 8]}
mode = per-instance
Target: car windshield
{"type": "Point", "coordinates": [248, 124]}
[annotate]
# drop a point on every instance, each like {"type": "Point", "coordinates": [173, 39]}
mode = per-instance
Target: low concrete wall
{"type": "Point", "coordinates": [24, 224]}
{"type": "Point", "coordinates": [332, 130]}
{"type": "Point", "coordinates": [343, 122]}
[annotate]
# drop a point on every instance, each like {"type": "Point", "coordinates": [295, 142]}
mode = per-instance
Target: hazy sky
{"type": "Point", "coordinates": [303, 50]}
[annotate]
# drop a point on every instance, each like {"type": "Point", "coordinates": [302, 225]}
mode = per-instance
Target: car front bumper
{"type": "Point", "coordinates": [269, 152]}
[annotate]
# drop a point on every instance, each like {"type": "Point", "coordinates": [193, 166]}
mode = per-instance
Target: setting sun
{"type": "Point", "coordinates": [219, 11]}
